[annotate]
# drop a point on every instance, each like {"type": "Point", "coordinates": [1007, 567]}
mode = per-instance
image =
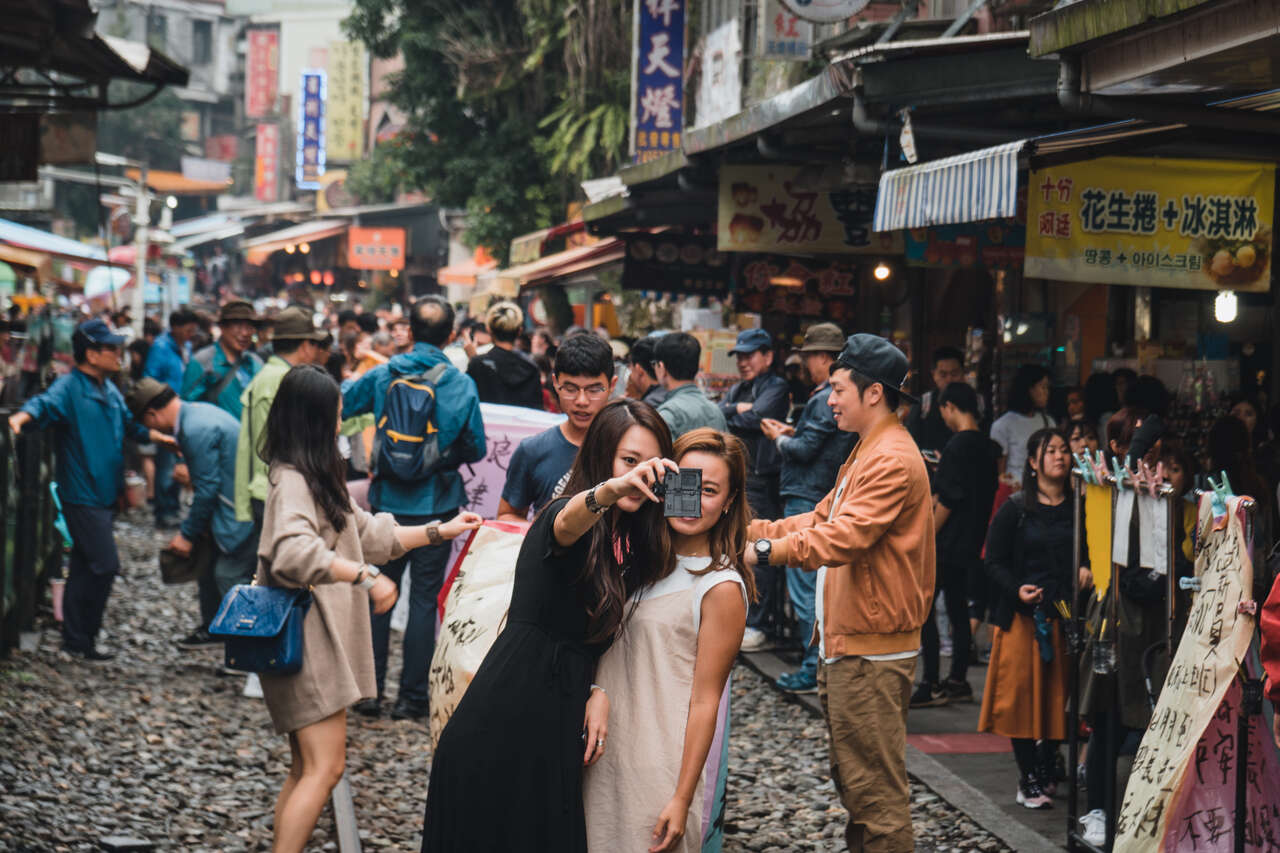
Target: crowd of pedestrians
{"type": "Point", "coordinates": [839, 517]}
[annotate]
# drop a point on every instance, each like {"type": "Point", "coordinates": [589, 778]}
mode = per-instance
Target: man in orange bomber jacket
{"type": "Point", "coordinates": [871, 542]}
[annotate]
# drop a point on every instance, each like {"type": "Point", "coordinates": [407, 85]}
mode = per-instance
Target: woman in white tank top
{"type": "Point", "coordinates": [661, 784]}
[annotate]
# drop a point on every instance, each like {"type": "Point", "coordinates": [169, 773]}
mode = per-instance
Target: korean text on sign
{"type": "Point", "coordinates": [659, 78]}
{"type": "Point", "coordinates": [1202, 224]}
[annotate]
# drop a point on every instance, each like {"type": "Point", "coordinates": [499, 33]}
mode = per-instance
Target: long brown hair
{"type": "Point", "coordinates": [727, 539]}
{"type": "Point", "coordinates": [628, 550]}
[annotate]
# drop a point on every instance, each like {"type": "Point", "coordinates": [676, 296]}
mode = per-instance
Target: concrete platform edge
{"type": "Point", "coordinates": [978, 806]}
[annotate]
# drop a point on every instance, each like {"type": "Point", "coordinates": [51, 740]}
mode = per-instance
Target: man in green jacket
{"type": "Point", "coordinates": [296, 341]}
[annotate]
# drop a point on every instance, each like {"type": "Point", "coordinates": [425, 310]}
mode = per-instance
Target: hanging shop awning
{"type": "Point", "coordinates": [176, 183]}
{"type": "Point", "coordinates": [187, 243]}
{"type": "Point", "coordinates": [970, 187]}
{"type": "Point", "coordinates": [466, 273]}
{"type": "Point", "coordinates": [37, 261]}
{"type": "Point", "coordinates": [261, 247]}
{"type": "Point", "coordinates": [566, 263]}
{"type": "Point", "coordinates": [26, 237]}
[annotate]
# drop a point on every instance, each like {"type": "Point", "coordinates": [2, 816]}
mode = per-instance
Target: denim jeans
{"type": "Point", "coordinates": [167, 506]}
{"type": "Point", "coordinates": [228, 570]}
{"type": "Point", "coordinates": [802, 590]}
{"type": "Point", "coordinates": [427, 566]}
{"type": "Point", "coordinates": [93, 568]}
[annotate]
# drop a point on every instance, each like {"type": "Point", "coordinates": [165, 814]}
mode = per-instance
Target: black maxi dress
{"type": "Point", "coordinates": [507, 773]}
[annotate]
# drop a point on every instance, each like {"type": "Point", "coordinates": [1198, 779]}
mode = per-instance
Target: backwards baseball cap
{"type": "Point", "coordinates": [296, 324]}
{"type": "Point", "coordinates": [99, 334]}
{"type": "Point", "coordinates": [878, 360]}
{"type": "Point", "coordinates": [144, 395]}
{"type": "Point", "coordinates": [752, 340]}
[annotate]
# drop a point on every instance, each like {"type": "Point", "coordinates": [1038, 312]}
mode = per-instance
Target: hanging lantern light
{"type": "Point", "coordinates": [1225, 306]}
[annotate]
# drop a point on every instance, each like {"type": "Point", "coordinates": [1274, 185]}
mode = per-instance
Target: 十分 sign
{"type": "Point", "coordinates": [659, 78]}
{"type": "Point", "coordinates": [775, 209]}
{"type": "Point", "coordinates": [1203, 224]}
{"type": "Point", "coordinates": [310, 159]}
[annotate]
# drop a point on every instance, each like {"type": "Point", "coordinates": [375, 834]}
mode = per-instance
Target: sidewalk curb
{"type": "Point", "coordinates": [980, 808]}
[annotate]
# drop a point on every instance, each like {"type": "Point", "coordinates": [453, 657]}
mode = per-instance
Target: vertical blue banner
{"type": "Point", "coordinates": [659, 73]}
{"type": "Point", "coordinates": [310, 148]}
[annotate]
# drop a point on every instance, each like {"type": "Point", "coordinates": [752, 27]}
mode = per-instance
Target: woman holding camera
{"type": "Point", "coordinates": [314, 536]}
{"type": "Point", "coordinates": [668, 672]}
{"type": "Point", "coordinates": [525, 724]}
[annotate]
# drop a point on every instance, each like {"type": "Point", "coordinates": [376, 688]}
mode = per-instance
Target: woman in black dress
{"type": "Point", "coordinates": [507, 773]}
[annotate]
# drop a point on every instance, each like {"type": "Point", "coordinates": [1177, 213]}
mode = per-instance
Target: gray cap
{"type": "Point", "coordinates": [878, 360]}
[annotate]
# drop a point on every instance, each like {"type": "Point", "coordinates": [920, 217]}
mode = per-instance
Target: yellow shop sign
{"type": "Point", "coordinates": [1203, 224]}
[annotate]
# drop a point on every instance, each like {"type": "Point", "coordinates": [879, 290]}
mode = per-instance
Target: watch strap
{"type": "Point", "coordinates": [592, 504]}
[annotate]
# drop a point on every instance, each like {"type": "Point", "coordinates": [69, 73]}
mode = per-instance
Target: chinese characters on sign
{"type": "Point", "coordinates": [311, 126]}
{"type": "Point", "coordinates": [674, 264]}
{"type": "Point", "coordinates": [997, 244]}
{"type": "Point", "coordinates": [773, 209]}
{"type": "Point", "coordinates": [1171, 223]}
{"type": "Point", "coordinates": [262, 69]}
{"type": "Point", "coordinates": [776, 284]}
{"type": "Point", "coordinates": [375, 248]}
{"type": "Point", "coordinates": [344, 114]}
{"type": "Point", "coordinates": [266, 163]}
{"type": "Point", "coordinates": [1181, 790]}
{"type": "Point", "coordinates": [784, 35]}
{"type": "Point", "coordinates": [659, 79]}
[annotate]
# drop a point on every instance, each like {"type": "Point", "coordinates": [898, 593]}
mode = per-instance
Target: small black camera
{"type": "Point", "coordinates": [682, 493]}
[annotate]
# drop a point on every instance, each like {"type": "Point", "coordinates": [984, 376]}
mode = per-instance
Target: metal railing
{"type": "Point", "coordinates": [30, 546]}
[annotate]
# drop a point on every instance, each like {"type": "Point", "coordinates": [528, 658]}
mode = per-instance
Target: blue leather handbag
{"type": "Point", "coordinates": [261, 627]}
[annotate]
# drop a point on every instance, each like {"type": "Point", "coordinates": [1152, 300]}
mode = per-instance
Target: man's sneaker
{"type": "Point", "coordinates": [368, 707]}
{"type": "Point", "coordinates": [1031, 796]}
{"type": "Point", "coordinates": [88, 656]}
{"type": "Point", "coordinates": [928, 696]}
{"type": "Point", "coordinates": [957, 691]}
{"type": "Point", "coordinates": [1094, 826]}
{"type": "Point", "coordinates": [755, 640]}
{"type": "Point", "coordinates": [800, 681]}
{"type": "Point", "coordinates": [198, 639]}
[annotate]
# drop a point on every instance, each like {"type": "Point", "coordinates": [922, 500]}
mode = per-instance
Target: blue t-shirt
{"type": "Point", "coordinates": [539, 469]}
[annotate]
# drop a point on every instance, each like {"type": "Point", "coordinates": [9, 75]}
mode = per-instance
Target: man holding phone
{"type": "Point", "coordinates": [812, 452]}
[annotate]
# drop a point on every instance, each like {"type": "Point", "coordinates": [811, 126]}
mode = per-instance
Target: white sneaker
{"type": "Point", "coordinates": [252, 686]}
{"type": "Point", "coordinates": [1095, 827]}
{"type": "Point", "coordinates": [753, 640]}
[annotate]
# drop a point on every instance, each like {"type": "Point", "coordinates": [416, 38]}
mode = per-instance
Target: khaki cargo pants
{"type": "Point", "coordinates": [865, 705]}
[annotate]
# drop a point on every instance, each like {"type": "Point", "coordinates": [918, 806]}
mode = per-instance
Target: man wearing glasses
{"type": "Point", "coordinates": [90, 421]}
{"type": "Point", "coordinates": [584, 380]}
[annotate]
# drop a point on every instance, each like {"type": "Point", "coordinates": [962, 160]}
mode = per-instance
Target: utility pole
{"type": "Point", "coordinates": [141, 227]}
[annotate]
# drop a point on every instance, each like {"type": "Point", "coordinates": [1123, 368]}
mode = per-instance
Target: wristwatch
{"type": "Point", "coordinates": [433, 532]}
{"type": "Point", "coordinates": [366, 576]}
{"type": "Point", "coordinates": [592, 504]}
{"type": "Point", "coordinates": [764, 549]}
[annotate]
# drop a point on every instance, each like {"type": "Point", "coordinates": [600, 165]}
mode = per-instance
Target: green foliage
{"type": "Point", "coordinates": [510, 104]}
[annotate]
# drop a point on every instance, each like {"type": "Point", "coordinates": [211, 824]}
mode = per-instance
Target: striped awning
{"type": "Point", "coordinates": [969, 187]}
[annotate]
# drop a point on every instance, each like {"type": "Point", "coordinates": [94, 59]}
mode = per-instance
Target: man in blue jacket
{"type": "Point", "coordinates": [90, 422]}
{"type": "Point", "coordinates": [208, 438]}
{"type": "Point", "coordinates": [461, 441]}
{"type": "Point", "coordinates": [166, 362]}
{"type": "Point", "coordinates": [761, 394]}
{"type": "Point", "coordinates": [812, 453]}
{"type": "Point", "coordinates": [220, 372]}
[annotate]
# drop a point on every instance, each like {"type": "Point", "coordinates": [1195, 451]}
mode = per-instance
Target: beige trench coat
{"type": "Point", "coordinates": [297, 547]}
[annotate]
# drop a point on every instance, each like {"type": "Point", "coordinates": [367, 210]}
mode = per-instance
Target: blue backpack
{"type": "Point", "coordinates": [406, 442]}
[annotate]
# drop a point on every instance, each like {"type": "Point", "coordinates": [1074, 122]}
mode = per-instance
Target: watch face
{"type": "Point", "coordinates": [762, 546]}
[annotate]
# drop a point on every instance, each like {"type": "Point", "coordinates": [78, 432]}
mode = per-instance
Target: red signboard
{"type": "Point", "coordinates": [266, 166]}
{"type": "Point", "coordinates": [262, 72]}
{"type": "Point", "coordinates": [224, 147]}
{"type": "Point", "coordinates": [375, 248]}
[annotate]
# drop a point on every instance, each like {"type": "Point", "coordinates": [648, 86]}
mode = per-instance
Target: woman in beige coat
{"type": "Point", "coordinates": [313, 535]}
